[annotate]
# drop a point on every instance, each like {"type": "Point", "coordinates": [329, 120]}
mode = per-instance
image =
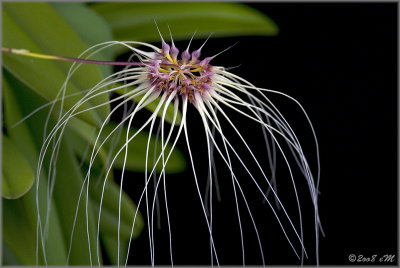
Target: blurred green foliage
{"type": "Point", "coordinates": [67, 29]}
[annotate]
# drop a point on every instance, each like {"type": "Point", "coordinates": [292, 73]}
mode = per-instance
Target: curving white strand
{"type": "Point", "coordinates": [151, 226]}
{"type": "Point", "coordinates": [212, 90]}
{"type": "Point", "coordinates": [198, 190]}
{"type": "Point", "coordinates": [142, 103]}
{"type": "Point", "coordinates": [202, 109]}
{"type": "Point", "coordinates": [199, 105]}
{"type": "Point", "coordinates": [98, 86]}
{"type": "Point", "coordinates": [76, 65]}
{"type": "Point", "coordinates": [227, 160]}
{"type": "Point", "coordinates": [269, 127]}
{"type": "Point", "coordinates": [304, 167]}
{"type": "Point", "coordinates": [258, 187]}
{"type": "Point", "coordinates": [283, 123]}
{"type": "Point", "coordinates": [157, 199]}
{"type": "Point", "coordinates": [94, 154]}
{"type": "Point", "coordinates": [276, 118]}
{"type": "Point", "coordinates": [271, 155]}
{"type": "Point", "coordinates": [46, 105]}
{"type": "Point", "coordinates": [150, 223]}
{"type": "Point", "coordinates": [162, 173]}
{"type": "Point", "coordinates": [124, 163]}
{"type": "Point", "coordinates": [257, 163]}
{"type": "Point", "coordinates": [176, 106]}
{"type": "Point", "coordinates": [61, 124]}
{"type": "Point", "coordinates": [126, 112]}
{"type": "Point", "coordinates": [112, 162]}
{"type": "Point", "coordinates": [53, 161]}
{"type": "Point", "coordinates": [250, 86]}
{"type": "Point", "coordinates": [41, 158]}
{"type": "Point", "coordinates": [54, 157]}
{"type": "Point", "coordinates": [68, 116]}
{"type": "Point", "coordinates": [295, 189]}
{"type": "Point", "coordinates": [55, 151]}
{"type": "Point", "coordinates": [169, 154]}
{"type": "Point", "coordinates": [88, 174]}
{"type": "Point", "coordinates": [215, 175]}
{"type": "Point", "coordinates": [291, 176]}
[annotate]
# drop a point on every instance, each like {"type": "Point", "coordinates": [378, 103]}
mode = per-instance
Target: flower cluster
{"type": "Point", "coordinates": [177, 79]}
{"type": "Point", "coordinates": [187, 75]}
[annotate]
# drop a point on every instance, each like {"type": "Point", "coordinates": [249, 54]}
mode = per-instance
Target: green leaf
{"type": "Point", "coordinates": [26, 25]}
{"type": "Point", "coordinates": [18, 175]}
{"type": "Point", "coordinates": [18, 233]}
{"type": "Point", "coordinates": [109, 216]}
{"type": "Point", "coordinates": [19, 134]}
{"type": "Point", "coordinates": [109, 223]}
{"type": "Point", "coordinates": [169, 115]}
{"type": "Point", "coordinates": [66, 194]}
{"type": "Point", "coordinates": [85, 135]}
{"type": "Point", "coordinates": [21, 237]}
{"type": "Point", "coordinates": [111, 247]}
{"type": "Point", "coordinates": [135, 21]}
{"type": "Point", "coordinates": [8, 256]}
{"type": "Point", "coordinates": [136, 160]}
{"type": "Point", "coordinates": [136, 157]}
{"type": "Point", "coordinates": [90, 27]}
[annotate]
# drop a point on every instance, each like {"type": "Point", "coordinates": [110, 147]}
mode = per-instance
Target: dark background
{"type": "Point", "coordinates": [340, 61]}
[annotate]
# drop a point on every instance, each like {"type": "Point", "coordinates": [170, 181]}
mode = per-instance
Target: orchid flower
{"type": "Point", "coordinates": [185, 80]}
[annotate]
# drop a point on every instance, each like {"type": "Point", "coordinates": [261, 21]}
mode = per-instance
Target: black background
{"type": "Point", "coordinates": [340, 61]}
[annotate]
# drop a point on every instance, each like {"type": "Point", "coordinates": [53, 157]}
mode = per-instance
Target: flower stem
{"type": "Point", "coordinates": [27, 53]}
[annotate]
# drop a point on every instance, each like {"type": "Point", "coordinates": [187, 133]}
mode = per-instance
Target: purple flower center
{"type": "Point", "coordinates": [186, 76]}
